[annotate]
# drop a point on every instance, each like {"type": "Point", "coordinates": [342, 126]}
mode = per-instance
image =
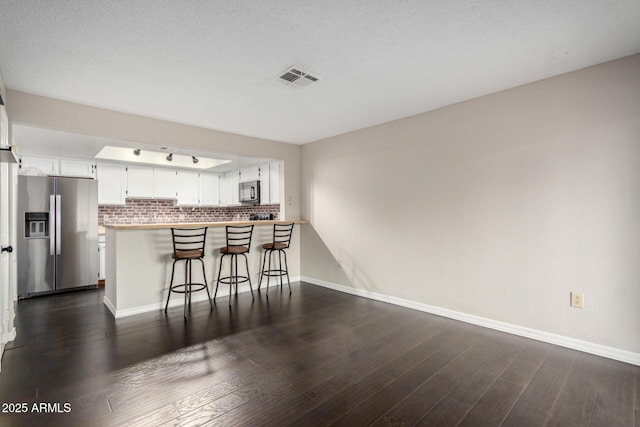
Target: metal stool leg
{"type": "Point", "coordinates": [218, 281]}
{"type": "Point", "coordinates": [186, 286]}
{"type": "Point", "coordinates": [286, 266]}
{"type": "Point", "coordinates": [173, 269]}
{"type": "Point", "coordinates": [264, 262]}
{"type": "Point", "coordinates": [280, 266]}
{"type": "Point", "coordinates": [231, 278]}
{"type": "Point", "coordinates": [235, 258]}
{"type": "Point", "coordinates": [246, 260]}
{"type": "Point", "coordinates": [206, 285]}
{"type": "Point", "coordinates": [269, 270]}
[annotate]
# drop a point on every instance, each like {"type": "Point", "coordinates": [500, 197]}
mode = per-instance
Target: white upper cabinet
{"type": "Point", "coordinates": [112, 184]}
{"type": "Point", "coordinates": [36, 165]}
{"type": "Point", "coordinates": [249, 174]}
{"type": "Point", "coordinates": [274, 182]}
{"type": "Point", "coordinates": [188, 188]}
{"type": "Point", "coordinates": [39, 166]}
{"type": "Point", "coordinates": [231, 188]}
{"type": "Point", "coordinates": [265, 179]}
{"type": "Point", "coordinates": [165, 183]}
{"type": "Point", "coordinates": [79, 168]}
{"type": "Point", "coordinates": [224, 191]}
{"type": "Point", "coordinates": [210, 189]}
{"type": "Point", "coordinates": [116, 182]}
{"type": "Point", "coordinates": [139, 182]}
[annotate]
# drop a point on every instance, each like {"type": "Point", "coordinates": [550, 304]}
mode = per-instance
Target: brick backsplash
{"type": "Point", "coordinates": [151, 211]}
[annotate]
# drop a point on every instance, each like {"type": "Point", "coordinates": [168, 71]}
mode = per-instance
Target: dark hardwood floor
{"type": "Point", "coordinates": [317, 357]}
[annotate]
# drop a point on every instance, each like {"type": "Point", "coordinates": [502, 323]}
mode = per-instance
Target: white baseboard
{"type": "Point", "coordinates": [174, 301]}
{"type": "Point", "coordinates": [563, 341]}
{"type": "Point", "coordinates": [110, 306]}
{"type": "Point", "coordinates": [6, 337]}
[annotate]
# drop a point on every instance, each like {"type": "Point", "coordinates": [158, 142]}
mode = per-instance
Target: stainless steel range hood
{"type": "Point", "coordinates": [7, 155]}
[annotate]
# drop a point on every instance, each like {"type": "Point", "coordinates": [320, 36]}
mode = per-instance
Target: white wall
{"type": "Point", "coordinates": [497, 207]}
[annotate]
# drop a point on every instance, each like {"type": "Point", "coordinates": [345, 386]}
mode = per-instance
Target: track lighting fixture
{"type": "Point", "coordinates": [164, 156]}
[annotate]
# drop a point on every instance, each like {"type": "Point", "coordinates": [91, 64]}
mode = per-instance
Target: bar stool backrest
{"type": "Point", "coordinates": [239, 235]}
{"type": "Point", "coordinates": [282, 233]}
{"type": "Point", "coordinates": [188, 240]}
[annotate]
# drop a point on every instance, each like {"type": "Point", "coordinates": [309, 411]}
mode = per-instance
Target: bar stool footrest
{"type": "Point", "coordinates": [181, 288]}
{"type": "Point", "coordinates": [275, 273]}
{"type": "Point", "coordinates": [232, 280]}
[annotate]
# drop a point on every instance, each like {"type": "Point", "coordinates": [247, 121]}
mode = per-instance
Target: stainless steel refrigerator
{"type": "Point", "coordinates": [57, 234]}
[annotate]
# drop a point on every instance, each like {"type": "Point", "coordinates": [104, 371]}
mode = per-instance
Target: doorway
{"type": "Point", "coordinates": [8, 178]}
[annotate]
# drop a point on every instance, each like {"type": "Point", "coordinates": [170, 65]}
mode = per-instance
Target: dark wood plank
{"type": "Point", "coordinates": [354, 395]}
{"type": "Point", "coordinates": [315, 357]}
{"type": "Point", "coordinates": [457, 403]}
{"type": "Point", "coordinates": [301, 361]}
{"type": "Point", "coordinates": [637, 404]}
{"type": "Point", "coordinates": [532, 407]}
{"type": "Point", "coordinates": [575, 402]}
{"type": "Point", "coordinates": [461, 366]}
{"type": "Point", "coordinates": [492, 408]}
{"type": "Point", "coordinates": [279, 386]}
{"type": "Point", "coordinates": [615, 400]}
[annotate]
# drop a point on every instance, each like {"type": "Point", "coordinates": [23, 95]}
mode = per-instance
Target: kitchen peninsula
{"type": "Point", "coordinates": [138, 262]}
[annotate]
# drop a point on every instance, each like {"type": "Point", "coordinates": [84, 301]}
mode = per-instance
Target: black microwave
{"type": "Point", "coordinates": [250, 192]}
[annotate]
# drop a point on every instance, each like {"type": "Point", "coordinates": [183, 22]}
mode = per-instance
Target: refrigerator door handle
{"type": "Point", "coordinates": [52, 224]}
{"type": "Point", "coordinates": [58, 224]}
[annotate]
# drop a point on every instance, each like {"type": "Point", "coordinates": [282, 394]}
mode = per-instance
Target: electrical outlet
{"type": "Point", "coordinates": [105, 218]}
{"type": "Point", "coordinates": [340, 263]}
{"type": "Point", "coordinates": [577, 300]}
{"type": "Point", "coordinates": [180, 216]}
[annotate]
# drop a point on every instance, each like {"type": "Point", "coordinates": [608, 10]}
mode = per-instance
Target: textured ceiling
{"type": "Point", "coordinates": [214, 63]}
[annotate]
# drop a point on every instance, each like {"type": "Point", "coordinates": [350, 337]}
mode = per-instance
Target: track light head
{"type": "Point", "coordinates": [170, 157]}
{"type": "Point", "coordinates": [136, 152]}
{"type": "Point", "coordinates": [195, 159]}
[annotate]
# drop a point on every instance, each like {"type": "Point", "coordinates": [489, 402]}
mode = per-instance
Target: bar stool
{"type": "Point", "coordinates": [238, 238]}
{"type": "Point", "coordinates": [281, 240]}
{"type": "Point", "coordinates": [188, 245]}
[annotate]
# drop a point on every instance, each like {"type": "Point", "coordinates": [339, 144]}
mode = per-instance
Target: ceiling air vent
{"type": "Point", "coordinates": [295, 77]}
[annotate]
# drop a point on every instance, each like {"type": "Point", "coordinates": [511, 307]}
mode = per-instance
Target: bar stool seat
{"type": "Point", "coordinates": [188, 245]}
{"type": "Point", "coordinates": [234, 250]}
{"type": "Point", "coordinates": [281, 240]}
{"type": "Point", "coordinates": [275, 246]}
{"type": "Point", "coordinates": [238, 242]}
{"type": "Point", "coordinates": [192, 254]}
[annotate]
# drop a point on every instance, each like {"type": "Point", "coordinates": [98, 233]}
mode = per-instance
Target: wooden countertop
{"type": "Point", "coordinates": [198, 224]}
